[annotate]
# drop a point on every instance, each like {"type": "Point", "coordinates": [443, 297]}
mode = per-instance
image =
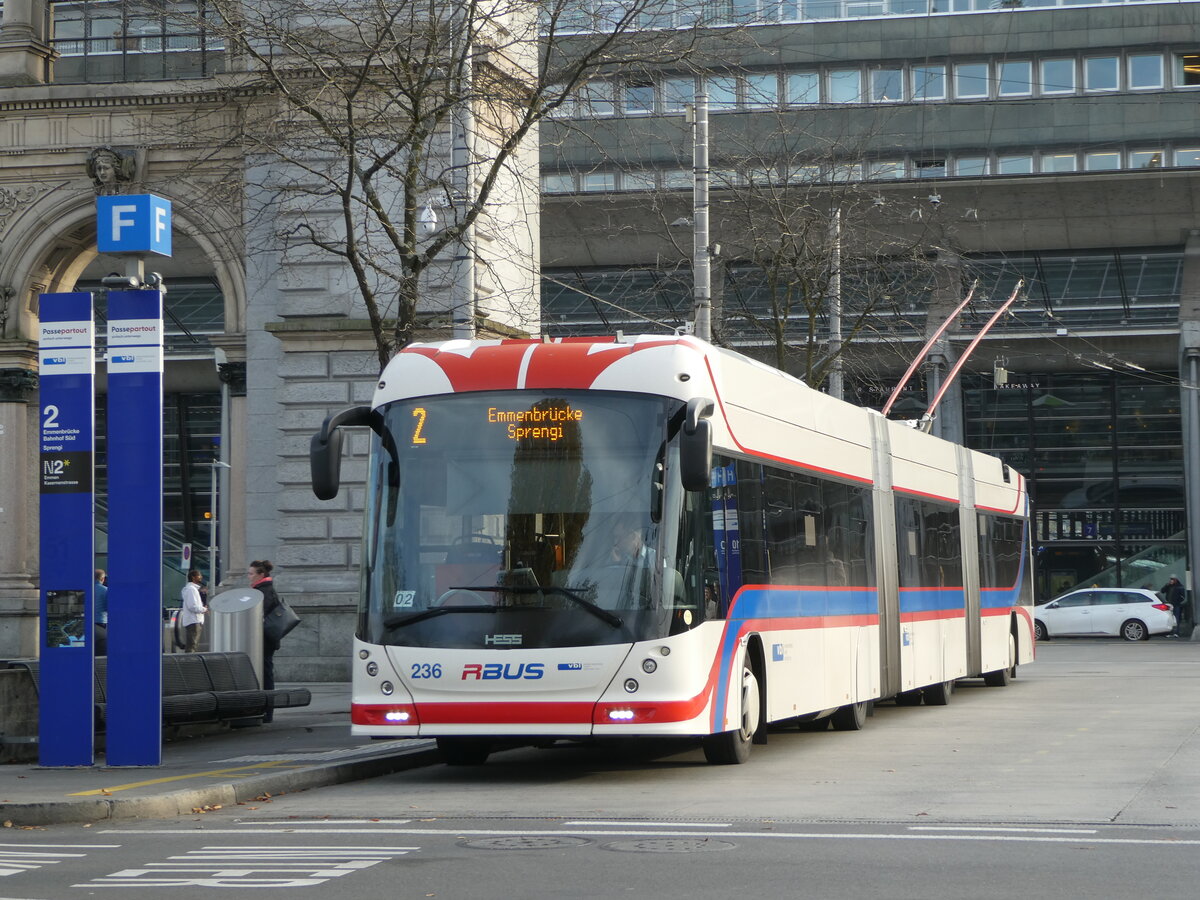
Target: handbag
{"type": "Point", "coordinates": [279, 622]}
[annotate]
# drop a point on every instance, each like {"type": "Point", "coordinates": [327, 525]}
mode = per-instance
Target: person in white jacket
{"type": "Point", "coordinates": [191, 617]}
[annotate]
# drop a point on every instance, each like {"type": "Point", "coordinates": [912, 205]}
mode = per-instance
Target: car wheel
{"type": "Point", "coordinates": [1135, 630]}
{"type": "Point", "coordinates": [1039, 632]}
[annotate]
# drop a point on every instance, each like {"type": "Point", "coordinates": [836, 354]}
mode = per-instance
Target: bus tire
{"type": "Point", "coordinates": [909, 698]}
{"type": "Point", "coordinates": [937, 694]}
{"type": "Point", "coordinates": [731, 748]}
{"type": "Point", "coordinates": [851, 717]}
{"type": "Point", "coordinates": [463, 751]}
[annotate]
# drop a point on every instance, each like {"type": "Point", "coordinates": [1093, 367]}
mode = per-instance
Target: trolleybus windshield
{"type": "Point", "coordinates": [523, 519]}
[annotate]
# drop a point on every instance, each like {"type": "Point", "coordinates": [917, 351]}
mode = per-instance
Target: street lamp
{"type": "Point", "coordinates": [213, 580]}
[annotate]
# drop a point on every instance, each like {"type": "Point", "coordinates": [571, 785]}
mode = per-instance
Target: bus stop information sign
{"type": "Point", "coordinates": [135, 520]}
{"type": "Point", "coordinates": [67, 447]}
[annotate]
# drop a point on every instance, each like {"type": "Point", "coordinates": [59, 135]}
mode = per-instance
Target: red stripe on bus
{"type": "Point", "coordinates": [494, 712]}
{"type": "Point", "coordinates": [914, 492]}
{"type": "Point", "coordinates": [930, 615]}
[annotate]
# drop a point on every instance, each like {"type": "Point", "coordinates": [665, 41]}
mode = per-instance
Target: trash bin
{"type": "Point", "coordinates": [234, 623]}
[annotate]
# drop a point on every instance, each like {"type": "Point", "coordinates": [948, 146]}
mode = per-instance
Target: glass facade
{"type": "Point", "coordinates": [135, 40]}
{"type": "Point", "coordinates": [1104, 457]}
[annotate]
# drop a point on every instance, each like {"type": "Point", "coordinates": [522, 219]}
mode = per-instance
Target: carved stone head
{"type": "Point", "coordinates": [109, 169]}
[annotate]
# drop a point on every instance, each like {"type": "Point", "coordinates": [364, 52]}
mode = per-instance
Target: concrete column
{"type": "Point", "coordinates": [25, 54]}
{"type": "Point", "coordinates": [947, 294]}
{"type": "Point", "coordinates": [18, 513]}
{"type": "Point", "coordinates": [233, 488]}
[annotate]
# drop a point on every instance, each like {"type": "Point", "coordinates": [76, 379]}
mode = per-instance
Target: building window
{"type": "Point", "coordinates": [803, 88]}
{"type": "Point", "coordinates": [1103, 161]}
{"type": "Point", "coordinates": [1014, 165]}
{"type": "Point", "coordinates": [677, 93]}
{"type": "Point", "coordinates": [1187, 69]}
{"type": "Point", "coordinates": [722, 92]}
{"type": "Point", "coordinates": [679, 178]}
{"type": "Point", "coordinates": [1015, 78]}
{"type": "Point", "coordinates": [640, 180]}
{"type": "Point", "coordinates": [596, 99]}
{"type": "Point", "coordinates": [1187, 157]}
{"type": "Point", "coordinates": [124, 40]}
{"type": "Point", "coordinates": [1101, 73]}
{"type": "Point", "coordinates": [599, 181]}
{"type": "Point", "coordinates": [971, 165]}
{"type": "Point", "coordinates": [558, 183]}
{"type": "Point", "coordinates": [1058, 162]}
{"type": "Point", "coordinates": [971, 81]}
{"type": "Point", "coordinates": [929, 82]}
{"type": "Point", "coordinates": [1058, 76]}
{"type": "Point", "coordinates": [929, 168]}
{"type": "Point", "coordinates": [877, 171]}
{"type": "Point", "coordinates": [1145, 159]}
{"type": "Point", "coordinates": [887, 85]}
{"type": "Point", "coordinates": [845, 86]}
{"type": "Point", "coordinates": [762, 91]}
{"type": "Point", "coordinates": [638, 99]}
{"type": "Point", "coordinates": [1145, 71]}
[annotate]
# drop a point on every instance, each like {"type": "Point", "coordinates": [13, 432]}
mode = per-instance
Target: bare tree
{"type": "Point", "coordinates": [811, 223]}
{"type": "Point", "coordinates": [392, 129]}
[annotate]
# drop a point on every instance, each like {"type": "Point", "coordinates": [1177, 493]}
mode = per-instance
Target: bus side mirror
{"type": "Point", "coordinates": [325, 449]}
{"type": "Point", "coordinates": [695, 445]}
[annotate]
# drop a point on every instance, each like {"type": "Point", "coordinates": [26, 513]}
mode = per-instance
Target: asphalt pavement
{"type": "Point", "coordinates": [302, 748]}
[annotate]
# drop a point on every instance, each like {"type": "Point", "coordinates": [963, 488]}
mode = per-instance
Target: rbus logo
{"type": "Point", "coordinates": [507, 671]}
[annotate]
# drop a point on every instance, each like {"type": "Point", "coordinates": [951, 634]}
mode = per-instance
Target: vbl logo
{"type": "Point", "coordinates": [508, 671]}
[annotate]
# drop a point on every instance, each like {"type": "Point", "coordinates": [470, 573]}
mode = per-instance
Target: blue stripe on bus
{"type": "Point", "coordinates": [913, 600]}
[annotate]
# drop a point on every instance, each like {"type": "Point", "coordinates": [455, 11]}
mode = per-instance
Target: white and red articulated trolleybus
{"type": "Point", "coordinates": [651, 536]}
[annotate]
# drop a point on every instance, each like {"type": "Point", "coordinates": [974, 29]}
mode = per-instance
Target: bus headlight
{"type": "Point", "coordinates": [372, 669]}
{"type": "Point", "coordinates": [631, 685]}
{"type": "Point", "coordinates": [649, 666]}
{"type": "Point", "coordinates": [387, 688]}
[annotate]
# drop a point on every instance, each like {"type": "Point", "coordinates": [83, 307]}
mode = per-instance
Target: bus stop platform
{"type": "Point", "coordinates": [302, 748]}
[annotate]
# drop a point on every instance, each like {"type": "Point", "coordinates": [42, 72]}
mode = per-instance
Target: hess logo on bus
{"type": "Point", "coordinates": [505, 671]}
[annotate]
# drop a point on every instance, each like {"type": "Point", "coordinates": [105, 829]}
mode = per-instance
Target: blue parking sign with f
{"type": "Point", "coordinates": [135, 223]}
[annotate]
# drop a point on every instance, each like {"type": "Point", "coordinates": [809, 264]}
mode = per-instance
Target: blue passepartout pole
{"type": "Point", "coordinates": [67, 413]}
{"type": "Point", "coordinates": [135, 501]}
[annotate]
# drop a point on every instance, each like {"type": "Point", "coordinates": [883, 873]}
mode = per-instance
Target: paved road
{"type": "Point", "coordinates": [1078, 780]}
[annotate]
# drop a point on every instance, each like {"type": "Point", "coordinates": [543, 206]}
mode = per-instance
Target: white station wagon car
{"type": "Point", "coordinates": [1131, 613]}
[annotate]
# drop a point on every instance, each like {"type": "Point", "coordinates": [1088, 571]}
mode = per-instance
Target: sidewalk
{"type": "Point", "coordinates": [303, 748]}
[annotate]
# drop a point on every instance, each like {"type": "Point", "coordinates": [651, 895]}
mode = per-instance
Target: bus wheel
{"type": "Point", "coordinates": [851, 717]}
{"type": "Point", "coordinates": [733, 747]}
{"type": "Point", "coordinates": [463, 751]}
{"type": "Point", "coordinates": [909, 698]}
{"type": "Point", "coordinates": [938, 694]}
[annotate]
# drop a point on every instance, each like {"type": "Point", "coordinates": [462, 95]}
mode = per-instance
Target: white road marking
{"type": "Point", "coordinates": [657, 824]}
{"type": "Point", "coordinates": [749, 835]}
{"type": "Point", "coordinates": [1012, 830]}
{"type": "Point", "coordinates": [291, 822]}
{"type": "Point", "coordinates": [27, 857]}
{"type": "Point", "coordinates": [247, 867]}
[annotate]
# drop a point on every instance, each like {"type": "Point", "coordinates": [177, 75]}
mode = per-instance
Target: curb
{"type": "Point", "coordinates": [184, 802]}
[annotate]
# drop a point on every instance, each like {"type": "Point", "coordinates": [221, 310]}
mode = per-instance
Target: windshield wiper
{"type": "Point", "coordinates": [603, 614]}
{"type": "Point", "coordinates": [401, 621]}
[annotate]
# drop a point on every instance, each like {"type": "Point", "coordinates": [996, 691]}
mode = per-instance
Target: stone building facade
{"type": "Point", "coordinates": [261, 345]}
